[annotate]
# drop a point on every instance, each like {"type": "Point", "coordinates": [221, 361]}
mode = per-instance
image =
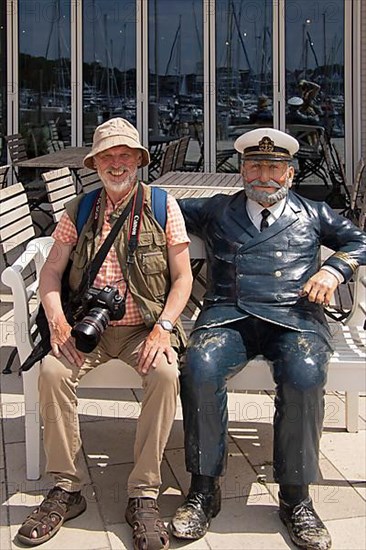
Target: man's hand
{"type": "Point", "coordinates": [320, 287]}
{"type": "Point", "coordinates": [62, 343]}
{"type": "Point", "coordinates": [156, 343]}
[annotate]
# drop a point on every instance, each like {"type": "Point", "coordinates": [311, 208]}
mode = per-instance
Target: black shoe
{"type": "Point", "coordinates": [193, 518]}
{"type": "Point", "coordinates": [305, 527]}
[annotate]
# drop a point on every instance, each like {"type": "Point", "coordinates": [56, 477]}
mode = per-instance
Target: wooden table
{"type": "Point", "coordinates": [199, 184]}
{"type": "Point", "coordinates": [71, 157]}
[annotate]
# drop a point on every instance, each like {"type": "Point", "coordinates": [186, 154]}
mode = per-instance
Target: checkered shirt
{"type": "Point", "coordinates": [110, 272]}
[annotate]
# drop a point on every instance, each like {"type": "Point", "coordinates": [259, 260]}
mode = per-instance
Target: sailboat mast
{"type": "Point", "coordinates": [156, 53]}
{"type": "Point", "coordinates": [229, 38]}
{"type": "Point", "coordinates": [94, 50]}
{"type": "Point", "coordinates": [106, 57]}
{"type": "Point", "coordinates": [199, 42]}
{"type": "Point", "coordinates": [324, 41]}
{"type": "Point", "coordinates": [263, 75]}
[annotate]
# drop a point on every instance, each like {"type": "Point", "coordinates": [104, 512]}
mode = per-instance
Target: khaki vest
{"type": "Point", "coordinates": [148, 277]}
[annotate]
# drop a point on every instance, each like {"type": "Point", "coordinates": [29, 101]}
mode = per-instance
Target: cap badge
{"type": "Point", "coordinates": [266, 145]}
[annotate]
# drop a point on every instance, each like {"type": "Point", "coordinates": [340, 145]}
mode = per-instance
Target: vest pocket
{"type": "Point", "coordinates": [153, 262]}
{"type": "Point", "coordinates": [145, 239]}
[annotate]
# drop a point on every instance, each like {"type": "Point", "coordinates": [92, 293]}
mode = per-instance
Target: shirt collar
{"type": "Point", "coordinates": [254, 209]}
{"type": "Point", "coordinates": [110, 207]}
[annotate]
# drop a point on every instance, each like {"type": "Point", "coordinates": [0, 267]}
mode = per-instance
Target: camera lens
{"type": "Point", "coordinates": [88, 331]}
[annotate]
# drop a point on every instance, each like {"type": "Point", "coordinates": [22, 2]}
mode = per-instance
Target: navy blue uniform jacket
{"type": "Point", "coordinates": [261, 274]}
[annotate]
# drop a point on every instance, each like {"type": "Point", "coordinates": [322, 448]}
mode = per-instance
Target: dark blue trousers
{"type": "Point", "coordinates": [299, 367]}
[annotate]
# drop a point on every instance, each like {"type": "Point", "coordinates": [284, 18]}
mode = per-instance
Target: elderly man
{"type": "Point", "coordinates": [155, 281]}
{"type": "Point", "coordinates": [265, 295]}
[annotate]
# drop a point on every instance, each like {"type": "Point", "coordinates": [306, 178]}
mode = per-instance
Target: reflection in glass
{"type": "Point", "coordinates": [175, 78]}
{"type": "Point", "coordinates": [44, 71]}
{"type": "Point", "coordinates": [243, 73]}
{"type": "Point", "coordinates": [2, 83]}
{"type": "Point", "coordinates": [315, 88]}
{"type": "Point", "coordinates": [109, 69]}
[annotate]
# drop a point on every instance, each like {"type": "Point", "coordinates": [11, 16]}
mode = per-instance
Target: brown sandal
{"type": "Point", "coordinates": [46, 520]}
{"type": "Point", "coordinates": [149, 531]}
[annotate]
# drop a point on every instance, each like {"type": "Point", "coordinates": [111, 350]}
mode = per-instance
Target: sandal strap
{"type": "Point", "coordinates": [149, 531]}
{"type": "Point", "coordinates": [56, 504]}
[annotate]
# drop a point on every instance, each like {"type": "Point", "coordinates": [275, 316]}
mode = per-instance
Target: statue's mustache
{"type": "Point", "coordinates": [269, 183]}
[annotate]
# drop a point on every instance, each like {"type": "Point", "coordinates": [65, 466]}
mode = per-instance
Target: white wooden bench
{"type": "Point", "coordinates": [347, 370]}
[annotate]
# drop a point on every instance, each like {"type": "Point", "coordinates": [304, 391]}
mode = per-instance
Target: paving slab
{"type": "Point", "coordinates": [176, 438]}
{"type": "Point", "coordinates": [333, 496]}
{"type": "Point", "coordinates": [347, 451]}
{"type": "Point", "coordinates": [14, 431]}
{"type": "Point", "coordinates": [240, 479]}
{"type": "Point", "coordinates": [102, 449]}
{"type": "Point", "coordinates": [175, 459]}
{"type": "Point", "coordinates": [11, 389]}
{"type": "Point", "coordinates": [5, 537]}
{"type": "Point", "coordinates": [348, 534]}
{"type": "Point", "coordinates": [100, 404]}
{"type": "Point", "coordinates": [360, 488]}
{"type": "Point", "coordinates": [254, 439]}
{"type": "Point", "coordinates": [16, 471]}
{"type": "Point", "coordinates": [250, 406]}
{"type": "Point", "coordinates": [247, 523]}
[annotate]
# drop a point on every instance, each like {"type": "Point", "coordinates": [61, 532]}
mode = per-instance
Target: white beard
{"type": "Point", "coordinates": [263, 196]}
{"type": "Point", "coordinates": [122, 186]}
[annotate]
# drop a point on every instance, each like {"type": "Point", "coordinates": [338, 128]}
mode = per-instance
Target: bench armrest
{"type": "Point", "coordinates": [12, 276]}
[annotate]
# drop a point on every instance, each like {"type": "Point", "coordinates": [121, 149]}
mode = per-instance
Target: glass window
{"type": "Point", "coordinates": [3, 87]}
{"type": "Point", "coordinates": [315, 92]}
{"type": "Point", "coordinates": [109, 62]}
{"type": "Point", "coordinates": [175, 80]}
{"type": "Point", "coordinates": [44, 74]}
{"type": "Point", "coordinates": [243, 73]}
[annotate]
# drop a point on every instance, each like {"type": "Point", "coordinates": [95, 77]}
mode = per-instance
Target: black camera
{"type": "Point", "coordinates": [101, 306]}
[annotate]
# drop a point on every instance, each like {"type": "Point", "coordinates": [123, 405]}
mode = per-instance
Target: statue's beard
{"type": "Point", "coordinates": [263, 197]}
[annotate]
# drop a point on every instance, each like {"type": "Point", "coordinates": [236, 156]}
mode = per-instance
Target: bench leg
{"type": "Point", "coordinates": [32, 422]}
{"type": "Point", "coordinates": [351, 411]}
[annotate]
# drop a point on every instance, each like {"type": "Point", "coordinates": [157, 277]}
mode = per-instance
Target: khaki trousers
{"type": "Point", "coordinates": [58, 382]}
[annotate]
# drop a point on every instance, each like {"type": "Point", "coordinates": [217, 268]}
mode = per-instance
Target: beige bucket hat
{"type": "Point", "coordinates": [116, 131]}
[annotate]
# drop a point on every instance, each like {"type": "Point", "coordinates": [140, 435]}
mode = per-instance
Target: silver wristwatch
{"type": "Point", "coordinates": [166, 324]}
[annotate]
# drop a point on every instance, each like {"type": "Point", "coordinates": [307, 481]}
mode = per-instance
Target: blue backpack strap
{"type": "Point", "coordinates": [159, 199]}
{"type": "Point", "coordinates": [85, 207]}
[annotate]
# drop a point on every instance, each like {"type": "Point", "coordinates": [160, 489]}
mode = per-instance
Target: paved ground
{"type": "Point", "coordinates": [249, 518]}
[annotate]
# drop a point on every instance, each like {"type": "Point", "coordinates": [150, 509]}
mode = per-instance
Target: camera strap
{"type": "Point", "coordinates": [135, 224]}
{"type": "Point", "coordinates": [135, 205]}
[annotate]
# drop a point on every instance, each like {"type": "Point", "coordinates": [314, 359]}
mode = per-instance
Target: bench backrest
{"type": "Point", "coordinates": [60, 189]}
{"type": "Point", "coordinates": [16, 225]}
{"type": "Point", "coordinates": [357, 315]}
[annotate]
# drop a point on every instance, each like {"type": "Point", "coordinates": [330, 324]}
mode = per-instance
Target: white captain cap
{"type": "Point", "coordinates": [266, 144]}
